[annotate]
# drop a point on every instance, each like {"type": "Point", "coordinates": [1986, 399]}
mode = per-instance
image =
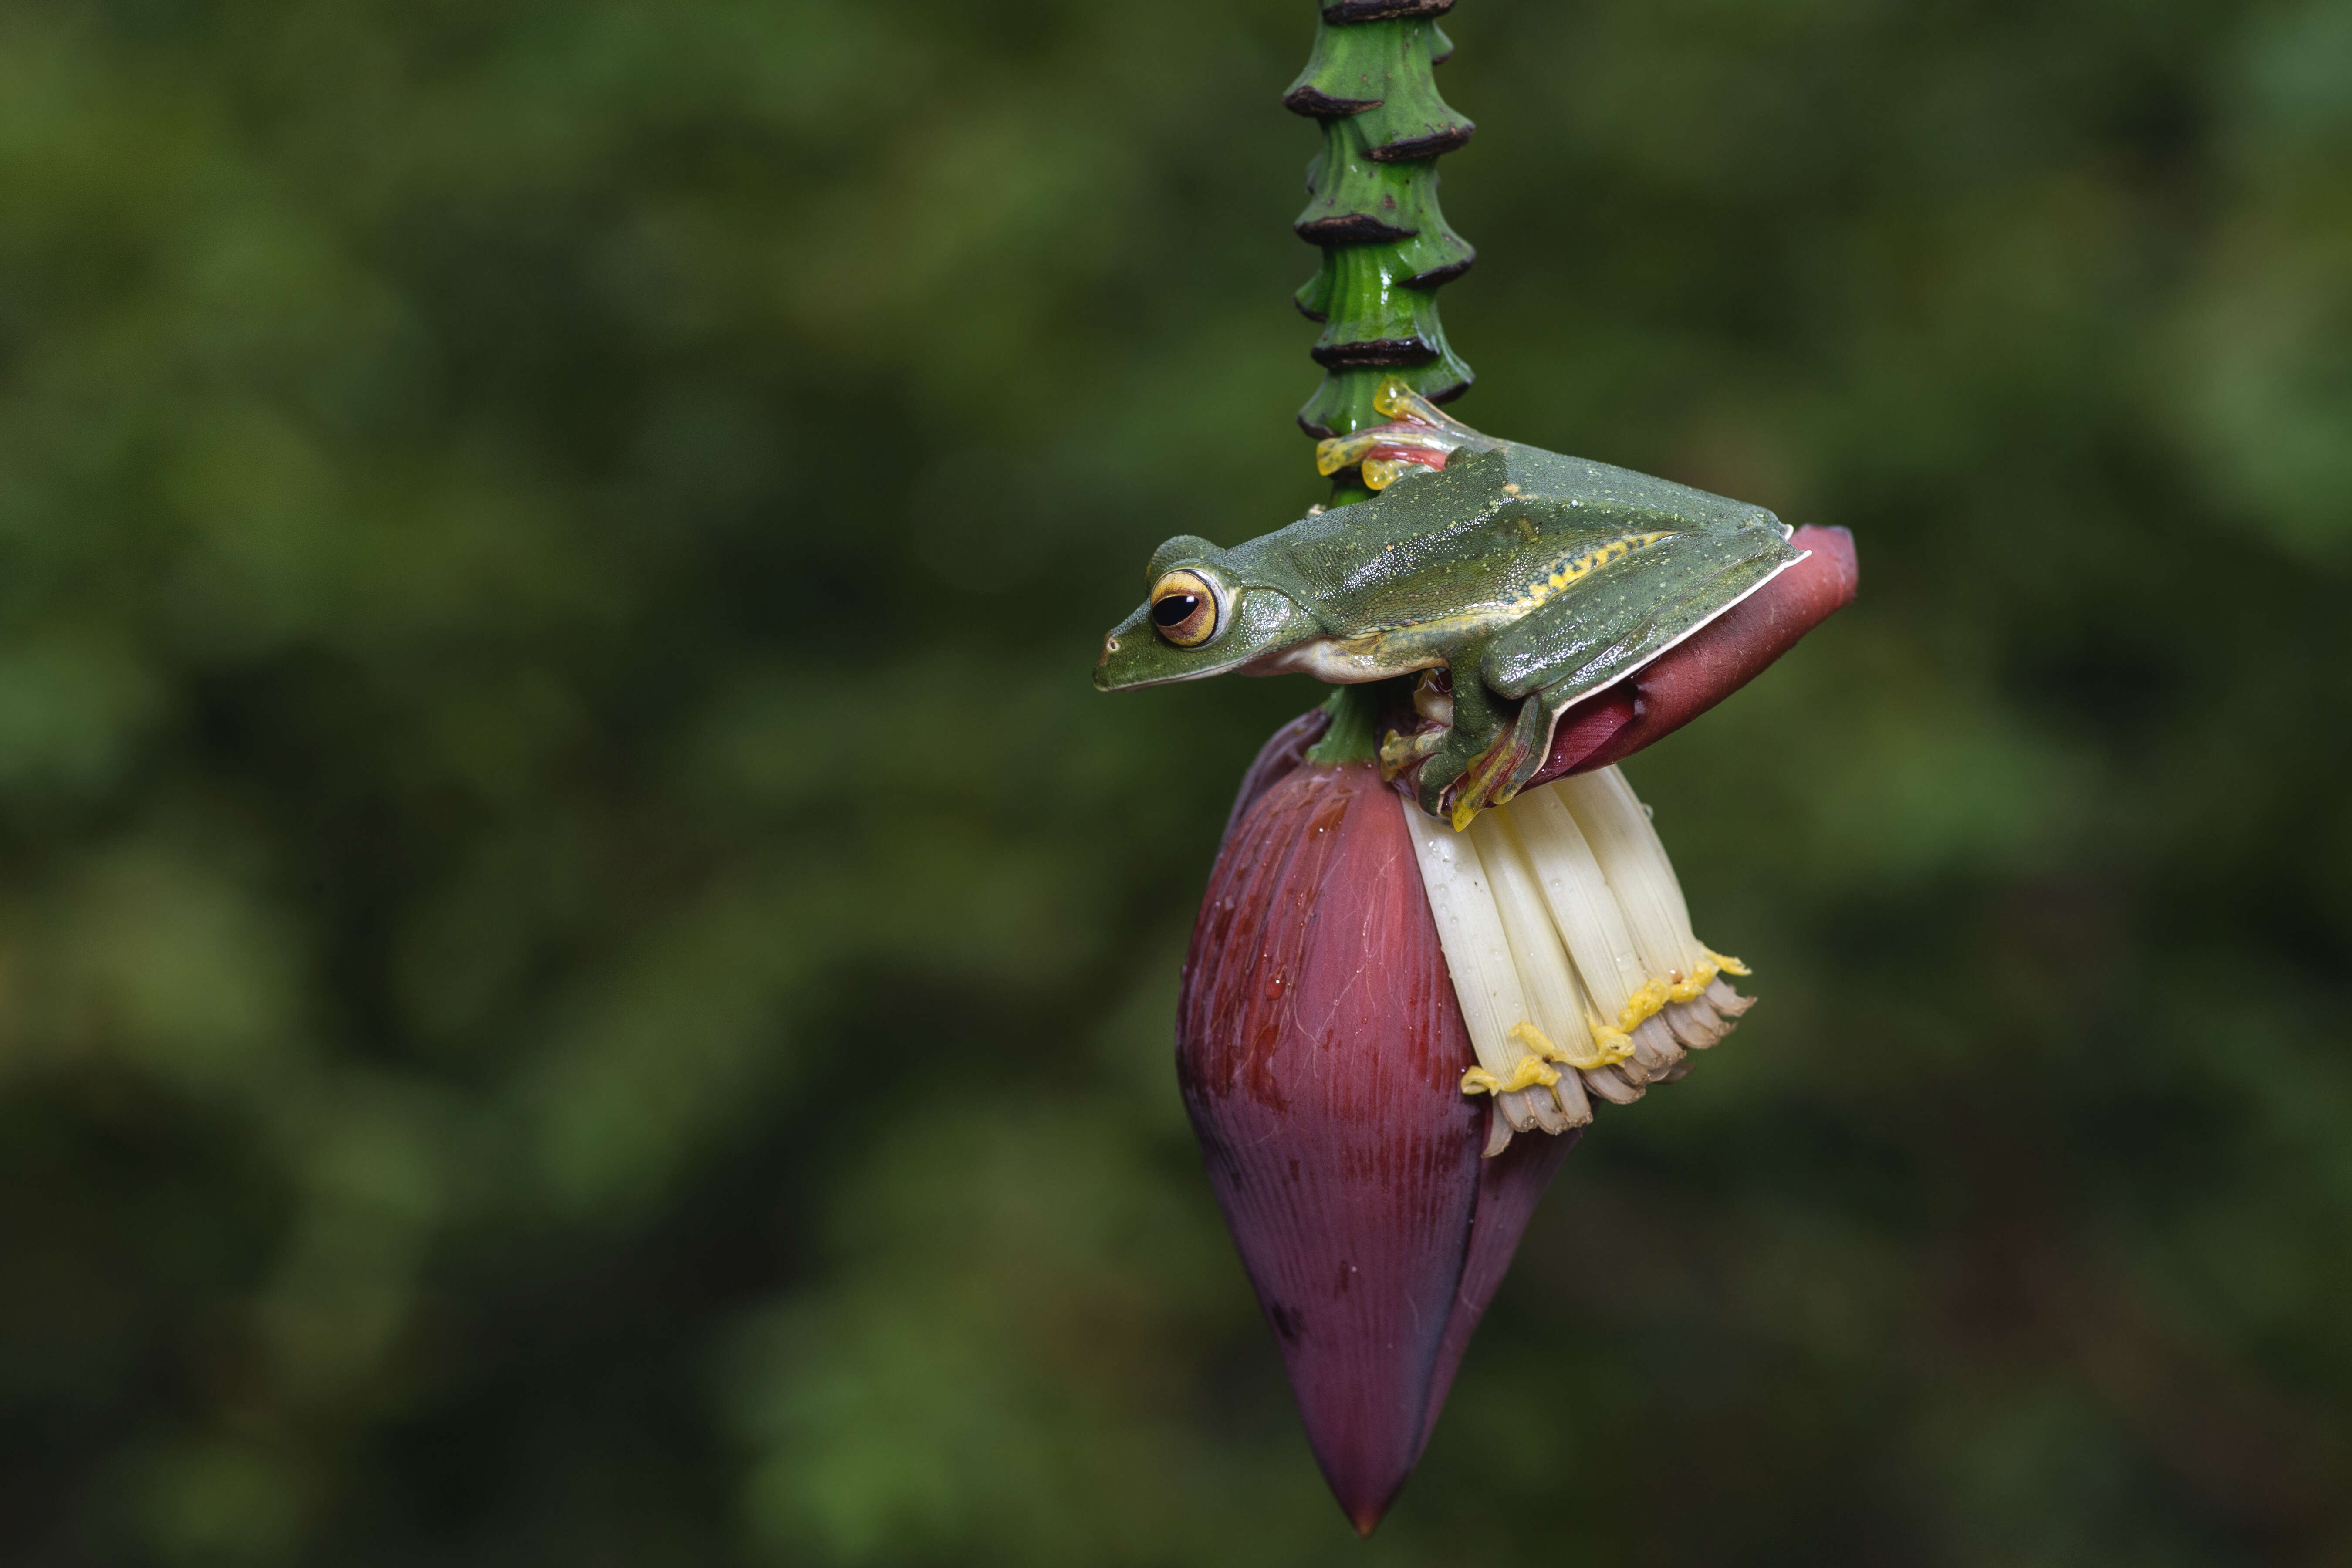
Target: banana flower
{"type": "Point", "coordinates": [1391, 1033]}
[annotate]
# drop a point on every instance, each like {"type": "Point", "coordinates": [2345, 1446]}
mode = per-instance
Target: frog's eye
{"type": "Point", "coordinates": [1184, 608]}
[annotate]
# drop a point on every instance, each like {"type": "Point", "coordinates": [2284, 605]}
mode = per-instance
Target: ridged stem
{"type": "Point", "coordinates": [1374, 212]}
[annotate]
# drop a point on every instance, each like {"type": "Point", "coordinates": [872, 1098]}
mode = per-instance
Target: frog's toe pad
{"type": "Point", "coordinates": [1492, 778]}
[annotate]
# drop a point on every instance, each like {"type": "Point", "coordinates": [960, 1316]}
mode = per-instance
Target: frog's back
{"type": "Point", "coordinates": [1639, 502]}
{"type": "Point", "coordinates": [1482, 532]}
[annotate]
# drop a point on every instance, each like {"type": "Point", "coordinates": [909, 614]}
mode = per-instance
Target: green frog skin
{"type": "Point", "coordinates": [1533, 579]}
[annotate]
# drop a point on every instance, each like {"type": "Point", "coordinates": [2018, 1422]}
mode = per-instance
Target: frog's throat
{"type": "Point", "coordinates": [1378, 653]}
{"type": "Point", "coordinates": [1343, 661]}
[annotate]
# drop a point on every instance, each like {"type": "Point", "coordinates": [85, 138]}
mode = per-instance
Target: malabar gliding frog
{"type": "Point", "coordinates": [1534, 579]}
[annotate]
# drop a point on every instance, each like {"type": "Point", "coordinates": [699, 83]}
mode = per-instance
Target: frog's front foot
{"type": "Point", "coordinates": [1400, 752]}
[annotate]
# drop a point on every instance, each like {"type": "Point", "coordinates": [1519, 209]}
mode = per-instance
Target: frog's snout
{"type": "Point", "coordinates": [1125, 657]}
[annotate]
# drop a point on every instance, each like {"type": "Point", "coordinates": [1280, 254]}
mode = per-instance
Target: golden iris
{"type": "Point", "coordinates": [1184, 609]}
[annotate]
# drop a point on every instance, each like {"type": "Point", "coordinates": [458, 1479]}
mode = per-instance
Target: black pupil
{"type": "Point", "coordinates": [1175, 609]}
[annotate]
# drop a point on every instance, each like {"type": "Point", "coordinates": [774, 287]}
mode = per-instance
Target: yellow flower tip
{"type": "Point", "coordinates": [1536, 1040]}
{"type": "Point", "coordinates": [1530, 1071]}
{"type": "Point", "coordinates": [1569, 943]}
{"type": "Point", "coordinates": [1644, 1005]}
{"type": "Point", "coordinates": [1694, 987]}
{"type": "Point", "coordinates": [1610, 1045]}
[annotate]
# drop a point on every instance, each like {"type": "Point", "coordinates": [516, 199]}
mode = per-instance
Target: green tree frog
{"type": "Point", "coordinates": [1533, 579]}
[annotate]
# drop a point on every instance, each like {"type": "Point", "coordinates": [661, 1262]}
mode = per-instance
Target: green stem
{"type": "Point", "coordinates": [1355, 732]}
{"type": "Point", "coordinates": [1374, 212]}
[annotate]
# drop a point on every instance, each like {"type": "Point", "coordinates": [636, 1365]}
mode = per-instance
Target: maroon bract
{"type": "Point", "coordinates": [1321, 1052]}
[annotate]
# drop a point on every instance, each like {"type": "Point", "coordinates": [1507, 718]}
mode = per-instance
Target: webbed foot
{"type": "Point", "coordinates": [1463, 778]}
{"type": "Point", "coordinates": [1489, 779]}
{"type": "Point", "coordinates": [1400, 752]}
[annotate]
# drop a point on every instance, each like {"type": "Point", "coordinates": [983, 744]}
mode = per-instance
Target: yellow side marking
{"type": "Point", "coordinates": [1468, 622]}
{"type": "Point", "coordinates": [1592, 560]}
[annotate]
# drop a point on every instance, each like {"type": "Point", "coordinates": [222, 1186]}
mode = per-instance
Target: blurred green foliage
{"type": "Point", "coordinates": [583, 981]}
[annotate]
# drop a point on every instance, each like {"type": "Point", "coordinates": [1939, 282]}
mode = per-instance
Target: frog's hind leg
{"type": "Point", "coordinates": [1572, 648]}
{"type": "Point", "coordinates": [1494, 746]}
{"type": "Point", "coordinates": [1499, 772]}
{"type": "Point", "coordinates": [1460, 764]}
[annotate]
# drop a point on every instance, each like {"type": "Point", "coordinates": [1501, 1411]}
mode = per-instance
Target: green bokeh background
{"type": "Point", "coordinates": [583, 980]}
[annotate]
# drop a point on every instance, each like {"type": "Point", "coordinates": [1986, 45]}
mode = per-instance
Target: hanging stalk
{"type": "Point", "coordinates": [1373, 210]}
{"type": "Point", "coordinates": [1386, 248]}
{"type": "Point", "coordinates": [1356, 952]}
